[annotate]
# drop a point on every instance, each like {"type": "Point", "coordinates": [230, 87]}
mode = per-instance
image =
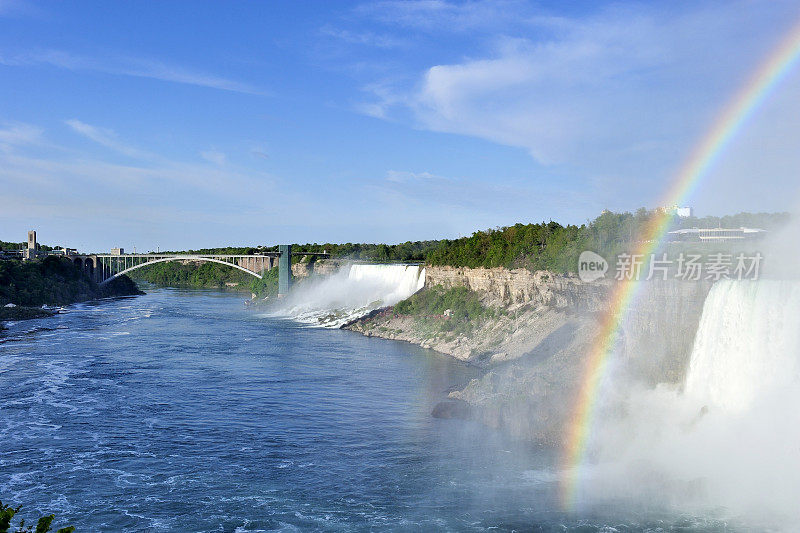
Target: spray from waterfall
{"type": "Point", "coordinates": [353, 291]}
{"type": "Point", "coordinates": [726, 440]}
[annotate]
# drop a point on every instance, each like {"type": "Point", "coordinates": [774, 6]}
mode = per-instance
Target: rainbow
{"type": "Point", "coordinates": [702, 158]}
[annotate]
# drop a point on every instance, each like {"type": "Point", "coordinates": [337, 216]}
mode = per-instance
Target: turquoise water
{"type": "Point", "coordinates": [182, 411]}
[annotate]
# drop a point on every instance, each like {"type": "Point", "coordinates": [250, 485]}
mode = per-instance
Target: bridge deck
{"type": "Point", "coordinates": [227, 256]}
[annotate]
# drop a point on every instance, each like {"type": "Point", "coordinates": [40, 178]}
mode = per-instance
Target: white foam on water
{"type": "Point", "coordinates": [353, 291]}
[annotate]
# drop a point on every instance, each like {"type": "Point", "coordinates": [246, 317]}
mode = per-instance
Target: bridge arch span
{"type": "Point", "coordinates": [181, 258]}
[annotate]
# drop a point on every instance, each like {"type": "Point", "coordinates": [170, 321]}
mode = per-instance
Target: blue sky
{"type": "Point", "coordinates": [180, 125]}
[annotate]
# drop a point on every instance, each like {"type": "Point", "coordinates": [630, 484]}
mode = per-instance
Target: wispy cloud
{"type": "Point", "coordinates": [259, 152]}
{"type": "Point", "coordinates": [387, 97]}
{"type": "Point", "coordinates": [366, 38]}
{"type": "Point", "coordinates": [106, 137]}
{"type": "Point", "coordinates": [51, 180]}
{"type": "Point", "coordinates": [126, 66]}
{"type": "Point", "coordinates": [586, 91]}
{"type": "Point", "coordinates": [214, 156]}
{"type": "Point", "coordinates": [19, 133]}
{"type": "Point", "coordinates": [470, 204]}
{"type": "Point", "coordinates": [441, 16]}
{"type": "Point", "coordinates": [404, 176]}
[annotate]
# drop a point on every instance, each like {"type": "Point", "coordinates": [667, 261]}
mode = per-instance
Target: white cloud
{"type": "Point", "coordinates": [261, 153]}
{"type": "Point", "coordinates": [619, 96]}
{"type": "Point", "coordinates": [18, 133]}
{"type": "Point", "coordinates": [105, 137]}
{"type": "Point", "coordinates": [366, 38]}
{"type": "Point", "coordinates": [214, 156]}
{"type": "Point", "coordinates": [64, 182]}
{"type": "Point", "coordinates": [404, 176]}
{"type": "Point", "coordinates": [441, 16]}
{"type": "Point", "coordinates": [126, 66]}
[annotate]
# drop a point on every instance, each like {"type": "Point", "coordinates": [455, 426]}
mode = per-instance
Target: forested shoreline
{"type": "Point", "coordinates": [538, 246]}
{"type": "Point", "coordinates": [51, 281]}
{"type": "Point", "coordinates": [198, 274]}
{"type": "Point", "coordinates": [535, 246]}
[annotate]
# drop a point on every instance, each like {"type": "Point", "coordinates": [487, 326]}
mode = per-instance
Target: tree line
{"type": "Point", "coordinates": [555, 247]}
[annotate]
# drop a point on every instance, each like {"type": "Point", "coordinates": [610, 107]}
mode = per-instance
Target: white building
{"type": "Point", "coordinates": [716, 234]}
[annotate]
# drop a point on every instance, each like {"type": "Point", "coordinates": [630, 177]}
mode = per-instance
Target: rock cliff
{"type": "Point", "coordinates": [534, 350]}
{"type": "Point", "coordinates": [320, 267]}
{"type": "Point", "coordinates": [507, 288]}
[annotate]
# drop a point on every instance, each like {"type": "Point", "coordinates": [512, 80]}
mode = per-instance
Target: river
{"type": "Point", "coordinates": [181, 410]}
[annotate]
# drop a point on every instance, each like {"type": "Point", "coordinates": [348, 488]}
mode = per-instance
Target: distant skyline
{"type": "Point", "coordinates": [186, 125]}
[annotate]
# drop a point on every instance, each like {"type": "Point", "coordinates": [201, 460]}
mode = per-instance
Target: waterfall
{"type": "Point", "coordinates": [728, 442]}
{"type": "Point", "coordinates": [351, 292]}
{"type": "Point", "coordinates": [747, 343]}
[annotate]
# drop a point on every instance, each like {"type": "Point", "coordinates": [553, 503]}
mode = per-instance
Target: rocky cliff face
{"type": "Point", "coordinates": [535, 350]}
{"type": "Point", "coordinates": [320, 267]}
{"type": "Point", "coordinates": [533, 308]}
{"type": "Point", "coordinates": [532, 396]}
{"type": "Point", "coordinates": [658, 332]}
{"type": "Point", "coordinates": [507, 288]}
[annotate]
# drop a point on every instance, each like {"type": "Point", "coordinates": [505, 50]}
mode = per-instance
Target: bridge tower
{"type": "Point", "coordinates": [284, 269]}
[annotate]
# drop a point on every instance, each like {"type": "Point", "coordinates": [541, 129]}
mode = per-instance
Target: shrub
{"type": "Point", "coordinates": [462, 303]}
{"type": "Point", "coordinates": [42, 525]}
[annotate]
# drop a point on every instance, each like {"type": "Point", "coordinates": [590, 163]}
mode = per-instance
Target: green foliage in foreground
{"type": "Point", "coordinates": [43, 525]}
{"type": "Point", "coordinates": [435, 301]}
{"type": "Point", "coordinates": [53, 281]}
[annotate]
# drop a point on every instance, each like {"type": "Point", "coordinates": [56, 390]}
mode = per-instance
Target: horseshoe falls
{"type": "Point", "coordinates": [725, 443]}
{"type": "Point", "coordinates": [747, 343]}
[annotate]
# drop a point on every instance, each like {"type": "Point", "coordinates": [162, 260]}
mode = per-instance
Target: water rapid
{"type": "Point", "coordinates": [353, 291]}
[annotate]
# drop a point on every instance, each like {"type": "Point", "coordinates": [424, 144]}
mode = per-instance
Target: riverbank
{"type": "Point", "coordinates": [51, 282]}
{"type": "Point", "coordinates": [22, 313]}
{"type": "Point", "coordinates": [520, 310]}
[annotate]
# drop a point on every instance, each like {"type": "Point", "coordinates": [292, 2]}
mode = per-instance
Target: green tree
{"type": "Point", "coordinates": [43, 525]}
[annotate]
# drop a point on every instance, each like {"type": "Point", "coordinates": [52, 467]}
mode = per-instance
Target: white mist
{"type": "Point", "coordinates": [353, 291]}
{"type": "Point", "coordinates": [728, 444]}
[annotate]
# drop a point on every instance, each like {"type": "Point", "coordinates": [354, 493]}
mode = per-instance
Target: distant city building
{"type": "Point", "coordinates": [31, 251]}
{"type": "Point", "coordinates": [117, 251]}
{"type": "Point", "coordinates": [716, 234]}
{"type": "Point", "coordinates": [11, 254]}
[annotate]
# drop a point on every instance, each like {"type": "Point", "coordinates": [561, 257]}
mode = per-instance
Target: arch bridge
{"type": "Point", "coordinates": [105, 267]}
